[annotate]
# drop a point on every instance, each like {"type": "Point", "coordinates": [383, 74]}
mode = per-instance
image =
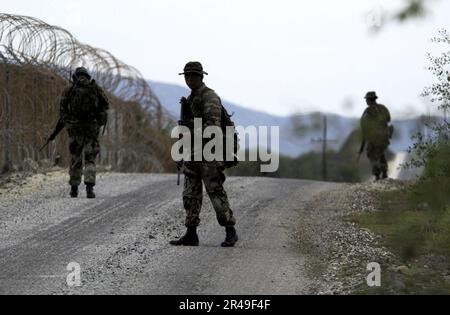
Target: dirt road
{"type": "Point", "coordinates": [120, 240]}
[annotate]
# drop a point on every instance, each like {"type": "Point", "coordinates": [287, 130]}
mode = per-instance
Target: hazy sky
{"type": "Point", "coordinates": [278, 56]}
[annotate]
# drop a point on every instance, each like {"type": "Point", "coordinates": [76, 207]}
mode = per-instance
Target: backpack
{"type": "Point", "coordinates": [226, 122]}
{"type": "Point", "coordinates": [83, 104]}
{"type": "Point", "coordinates": [375, 126]}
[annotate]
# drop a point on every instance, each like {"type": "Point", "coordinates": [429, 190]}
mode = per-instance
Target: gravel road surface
{"type": "Point", "coordinates": [120, 240]}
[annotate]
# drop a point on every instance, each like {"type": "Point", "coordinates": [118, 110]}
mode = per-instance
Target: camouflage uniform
{"type": "Point", "coordinates": [376, 133]}
{"type": "Point", "coordinates": [83, 134]}
{"type": "Point", "coordinates": [204, 103]}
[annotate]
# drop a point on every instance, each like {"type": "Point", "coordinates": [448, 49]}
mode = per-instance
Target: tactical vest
{"type": "Point", "coordinates": [225, 123]}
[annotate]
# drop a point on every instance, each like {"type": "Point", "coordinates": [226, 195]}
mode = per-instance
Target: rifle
{"type": "Point", "coordinates": [361, 151]}
{"type": "Point", "coordinates": [59, 127]}
{"type": "Point", "coordinates": [183, 103]}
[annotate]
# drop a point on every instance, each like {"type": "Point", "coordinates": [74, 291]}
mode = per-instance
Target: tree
{"type": "Point", "coordinates": [413, 9]}
{"type": "Point", "coordinates": [432, 151]}
{"type": "Point", "coordinates": [410, 10]}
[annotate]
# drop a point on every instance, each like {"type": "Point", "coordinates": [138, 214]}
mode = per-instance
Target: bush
{"type": "Point", "coordinates": [433, 152]}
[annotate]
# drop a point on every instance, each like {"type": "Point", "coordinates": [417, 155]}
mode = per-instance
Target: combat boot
{"type": "Point", "coordinates": [231, 237]}
{"type": "Point", "coordinates": [189, 239]}
{"type": "Point", "coordinates": [90, 191]}
{"type": "Point", "coordinates": [74, 192]}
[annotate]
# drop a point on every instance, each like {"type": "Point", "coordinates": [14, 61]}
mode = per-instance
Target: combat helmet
{"type": "Point", "coordinates": [82, 71]}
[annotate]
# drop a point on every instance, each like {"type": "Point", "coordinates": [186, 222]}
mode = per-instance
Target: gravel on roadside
{"type": "Point", "coordinates": [339, 251]}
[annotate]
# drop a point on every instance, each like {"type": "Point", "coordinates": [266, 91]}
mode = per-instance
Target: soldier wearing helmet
{"type": "Point", "coordinates": [83, 110]}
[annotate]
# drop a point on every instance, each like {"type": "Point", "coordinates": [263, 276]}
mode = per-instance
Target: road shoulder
{"type": "Point", "coordinates": [339, 250]}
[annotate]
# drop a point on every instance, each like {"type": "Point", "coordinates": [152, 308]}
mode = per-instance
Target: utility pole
{"type": "Point", "coordinates": [324, 140]}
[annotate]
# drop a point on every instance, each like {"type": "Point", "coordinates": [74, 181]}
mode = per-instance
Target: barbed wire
{"type": "Point", "coordinates": [30, 41]}
{"type": "Point", "coordinates": [36, 61]}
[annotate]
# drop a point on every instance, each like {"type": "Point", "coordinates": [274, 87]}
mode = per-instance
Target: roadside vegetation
{"type": "Point", "coordinates": [341, 166]}
{"type": "Point", "coordinates": [415, 221]}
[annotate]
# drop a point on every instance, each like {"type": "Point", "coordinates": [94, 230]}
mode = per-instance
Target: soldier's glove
{"type": "Point", "coordinates": [183, 100]}
{"type": "Point", "coordinates": [102, 119]}
{"type": "Point", "coordinates": [52, 137]}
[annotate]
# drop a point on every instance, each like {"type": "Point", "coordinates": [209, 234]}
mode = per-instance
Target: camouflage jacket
{"type": "Point", "coordinates": [374, 123]}
{"type": "Point", "coordinates": [101, 114]}
{"type": "Point", "coordinates": [204, 103]}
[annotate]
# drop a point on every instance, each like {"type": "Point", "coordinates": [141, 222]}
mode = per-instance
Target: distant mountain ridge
{"type": "Point", "coordinates": [296, 132]}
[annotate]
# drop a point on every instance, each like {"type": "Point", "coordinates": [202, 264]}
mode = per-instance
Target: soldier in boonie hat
{"type": "Point", "coordinates": [193, 67]}
{"type": "Point", "coordinates": [376, 135]}
{"type": "Point", "coordinates": [371, 95]}
{"type": "Point", "coordinates": [203, 103]}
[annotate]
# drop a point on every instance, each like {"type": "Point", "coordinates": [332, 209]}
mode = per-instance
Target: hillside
{"type": "Point", "coordinates": [295, 132]}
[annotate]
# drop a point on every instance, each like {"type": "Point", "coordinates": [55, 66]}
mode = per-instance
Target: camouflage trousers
{"type": "Point", "coordinates": [377, 158]}
{"type": "Point", "coordinates": [197, 173]}
{"type": "Point", "coordinates": [83, 143]}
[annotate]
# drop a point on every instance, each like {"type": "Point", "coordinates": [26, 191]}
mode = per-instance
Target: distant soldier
{"type": "Point", "coordinates": [376, 135]}
{"type": "Point", "coordinates": [205, 104]}
{"type": "Point", "coordinates": [83, 111]}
